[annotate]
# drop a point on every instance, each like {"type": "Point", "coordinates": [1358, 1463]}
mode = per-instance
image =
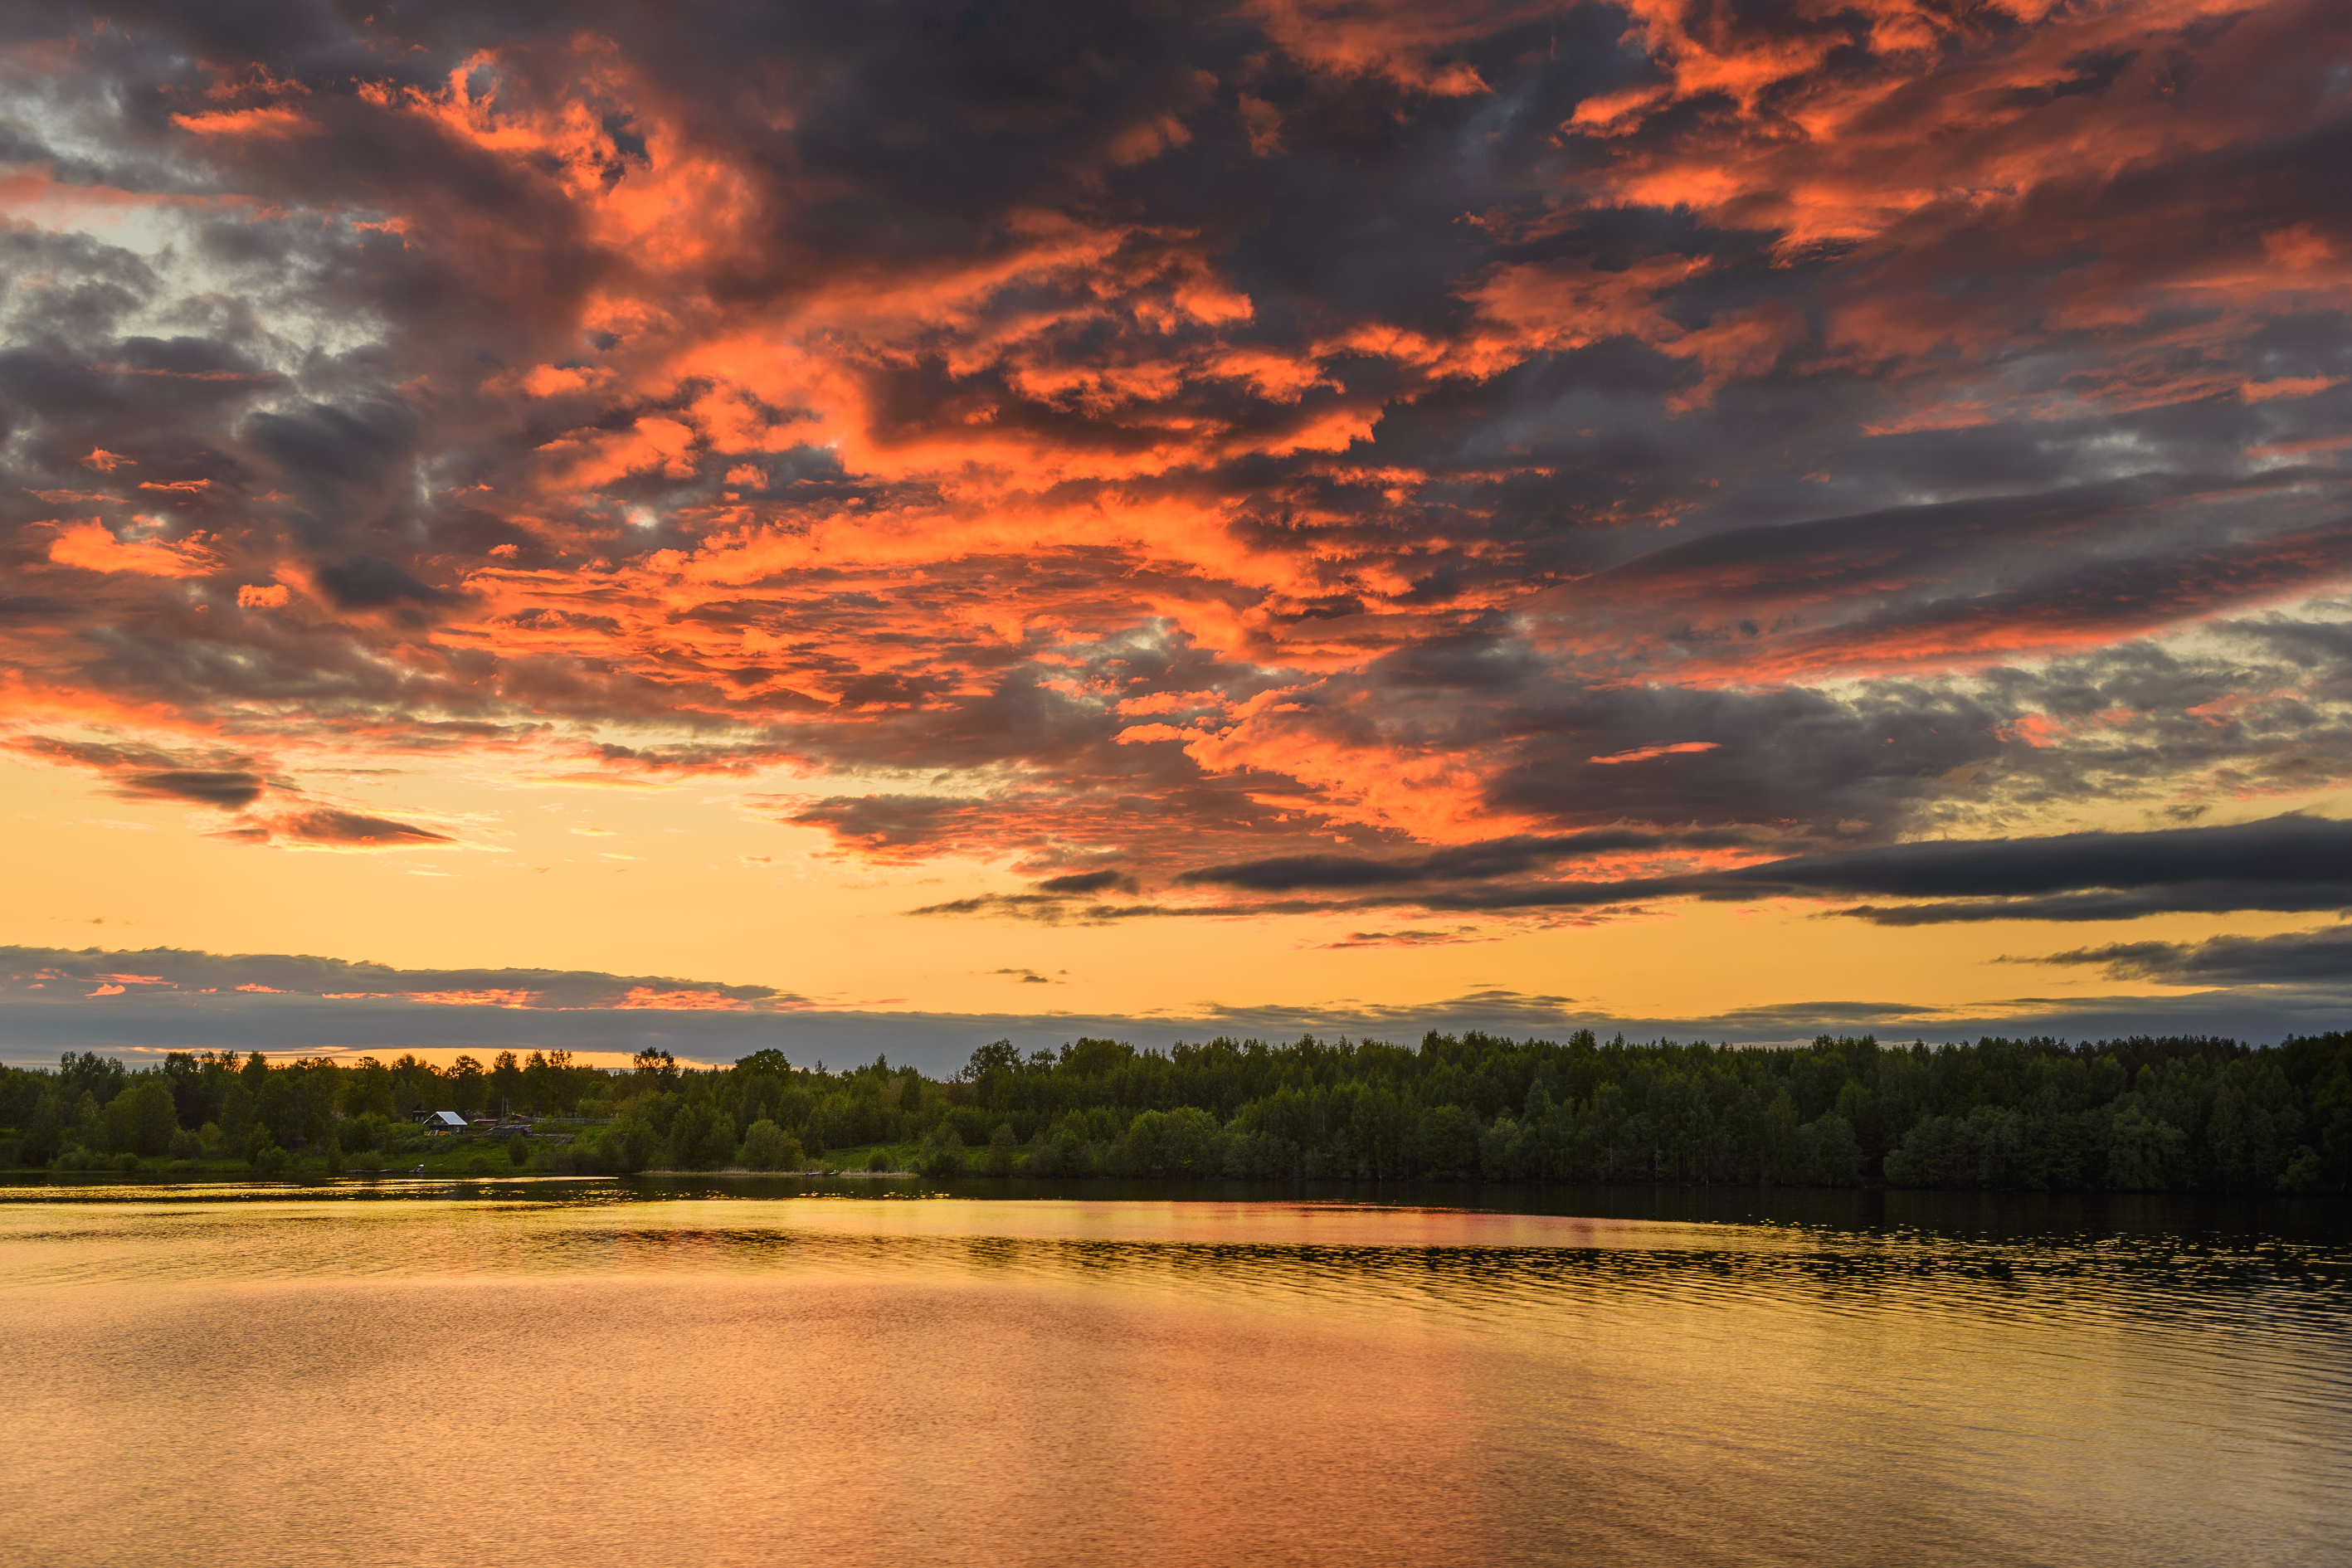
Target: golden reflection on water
{"type": "Point", "coordinates": [590, 1377]}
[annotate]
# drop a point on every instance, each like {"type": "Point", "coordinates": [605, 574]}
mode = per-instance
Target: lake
{"type": "Point", "coordinates": [761, 1371]}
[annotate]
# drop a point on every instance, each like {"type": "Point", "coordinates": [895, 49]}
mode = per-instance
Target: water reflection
{"type": "Point", "coordinates": [716, 1372]}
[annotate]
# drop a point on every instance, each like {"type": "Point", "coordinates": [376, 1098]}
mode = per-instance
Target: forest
{"type": "Point", "coordinates": [2170, 1114]}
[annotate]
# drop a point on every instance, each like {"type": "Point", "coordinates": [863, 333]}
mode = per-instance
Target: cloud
{"type": "Point", "coordinates": [2283, 862]}
{"type": "Point", "coordinates": [1643, 754]}
{"type": "Point", "coordinates": [1077, 882]}
{"type": "Point", "coordinates": [1451, 936]}
{"type": "Point", "coordinates": [363, 582]}
{"type": "Point", "coordinates": [1468, 862]}
{"type": "Point", "coordinates": [1470, 456]}
{"type": "Point", "coordinates": [343, 830]}
{"type": "Point", "coordinates": [2287, 863]}
{"type": "Point", "coordinates": [94, 548]}
{"type": "Point", "coordinates": [2221, 896]}
{"type": "Point", "coordinates": [145, 774]}
{"type": "Point", "coordinates": [191, 973]}
{"type": "Point", "coordinates": [229, 790]}
{"type": "Point", "coordinates": [1052, 909]}
{"type": "Point", "coordinates": [2314, 958]}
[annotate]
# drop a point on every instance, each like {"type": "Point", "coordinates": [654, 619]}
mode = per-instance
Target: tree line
{"type": "Point", "coordinates": [2176, 1113]}
{"type": "Point", "coordinates": [94, 1111]}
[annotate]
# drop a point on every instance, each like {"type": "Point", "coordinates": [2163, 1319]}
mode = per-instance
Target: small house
{"type": "Point", "coordinates": [445, 1121]}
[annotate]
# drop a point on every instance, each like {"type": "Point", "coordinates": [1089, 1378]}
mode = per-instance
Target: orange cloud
{"type": "Point", "coordinates": [2287, 386]}
{"type": "Point", "coordinates": [1643, 754]}
{"type": "Point", "coordinates": [93, 547]}
{"type": "Point", "coordinates": [271, 119]}
{"type": "Point", "coordinates": [491, 998]}
{"type": "Point", "coordinates": [642, 997]}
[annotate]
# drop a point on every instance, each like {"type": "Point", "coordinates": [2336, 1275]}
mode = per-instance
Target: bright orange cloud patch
{"type": "Point", "coordinates": [93, 547]}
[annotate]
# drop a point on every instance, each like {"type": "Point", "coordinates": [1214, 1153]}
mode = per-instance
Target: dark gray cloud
{"type": "Point", "coordinates": [2291, 851]}
{"type": "Point", "coordinates": [2216, 897]}
{"type": "Point", "coordinates": [2290, 862]}
{"type": "Point", "coordinates": [2322, 959]}
{"type": "Point", "coordinates": [2282, 862]}
{"type": "Point", "coordinates": [1108, 881]}
{"type": "Point", "coordinates": [141, 772]}
{"type": "Point", "coordinates": [288, 816]}
{"type": "Point", "coordinates": [230, 791]}
{"type": "Point", "coordinates": [362, 582]}
{"type": "Point", "coordinates": [1459, 863]}
{"type": "Point", "coordinates": [193, 973]}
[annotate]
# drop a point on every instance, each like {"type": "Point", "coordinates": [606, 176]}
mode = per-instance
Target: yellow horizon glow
{"type": "Point", "coordinates": [662, 883]}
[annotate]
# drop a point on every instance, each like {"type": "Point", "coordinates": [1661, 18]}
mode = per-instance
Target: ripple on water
{"type": "Point", "coordinates": [660, 1378]}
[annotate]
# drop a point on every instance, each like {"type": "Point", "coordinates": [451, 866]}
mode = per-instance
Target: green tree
{"type": "Point", "coordinates": [44, 1135]}
{"type": "Point", "coordinates": [237, 1107]}
{"type": "Point", "coordinates": [1183, 1142]}
{"type": "Point", "coordinates": [467, 1084]}
{"type": "Point", "coordinates": [1000, 1059]}
{"type": "Point", "coordinates": [1833, 1157]}
{"type": "Point", "coordinates": [562, 1092]}
{"type": "Point", "coordinates": [1780, 1152]}
{"type": "Point", "coordinates": [278, 1109]}
{"type": "Point", "coordinates": [2140, 1150]}
{"type": "Point", "coordinates": [101, 1078]}
{"type": "Point", "coordinates": [2303, 1173]}
{"type": "Point", "coordinates": [190, 1102]}
{"type": "Point", "coordinates": [1001, 1146]}
{"type": "Point", "coordinates": [89, 1124]}
{"type": "Point", "coordinates": [1379, 1127]}
{"type": "Point", "coordinates": [768, 1147]}
{"type": "Point", "coordinates": [142, 1118]}
{"type": "Point", "coordinates": [700, 1135]}
{"type": "Point", "coordinates": [505, 1083]}
{"type": "Point", "coordinates": [366, 1090]}
{"type": "Point", "coordinates": [415, 1085]}
{"type": "Point", "coordinates": [539, 1080]}
{"type": "Point", "coordinates": [628, 1145]}
{"type": "Point", "coordinates": [1449, 1141]}
{"type": "Point", "coordinates": [941, 1157]}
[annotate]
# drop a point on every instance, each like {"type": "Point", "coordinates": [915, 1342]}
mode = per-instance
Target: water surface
{"type": "Point", "coordinates": [715, 1373]}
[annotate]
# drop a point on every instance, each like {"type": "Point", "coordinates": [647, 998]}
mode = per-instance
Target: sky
{"type": "Point", "coordinates": [873, 528]}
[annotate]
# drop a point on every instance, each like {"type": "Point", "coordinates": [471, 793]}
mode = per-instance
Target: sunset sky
{"type": "Point", "coordinates": [874, 527]}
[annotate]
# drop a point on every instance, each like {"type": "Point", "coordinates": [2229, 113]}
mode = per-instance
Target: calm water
{"type": "Point", "coordinates": [584, 1373]}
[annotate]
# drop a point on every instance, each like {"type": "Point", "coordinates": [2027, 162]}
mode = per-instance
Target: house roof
{"type": "Point", "coordinates": [445, 1119]}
